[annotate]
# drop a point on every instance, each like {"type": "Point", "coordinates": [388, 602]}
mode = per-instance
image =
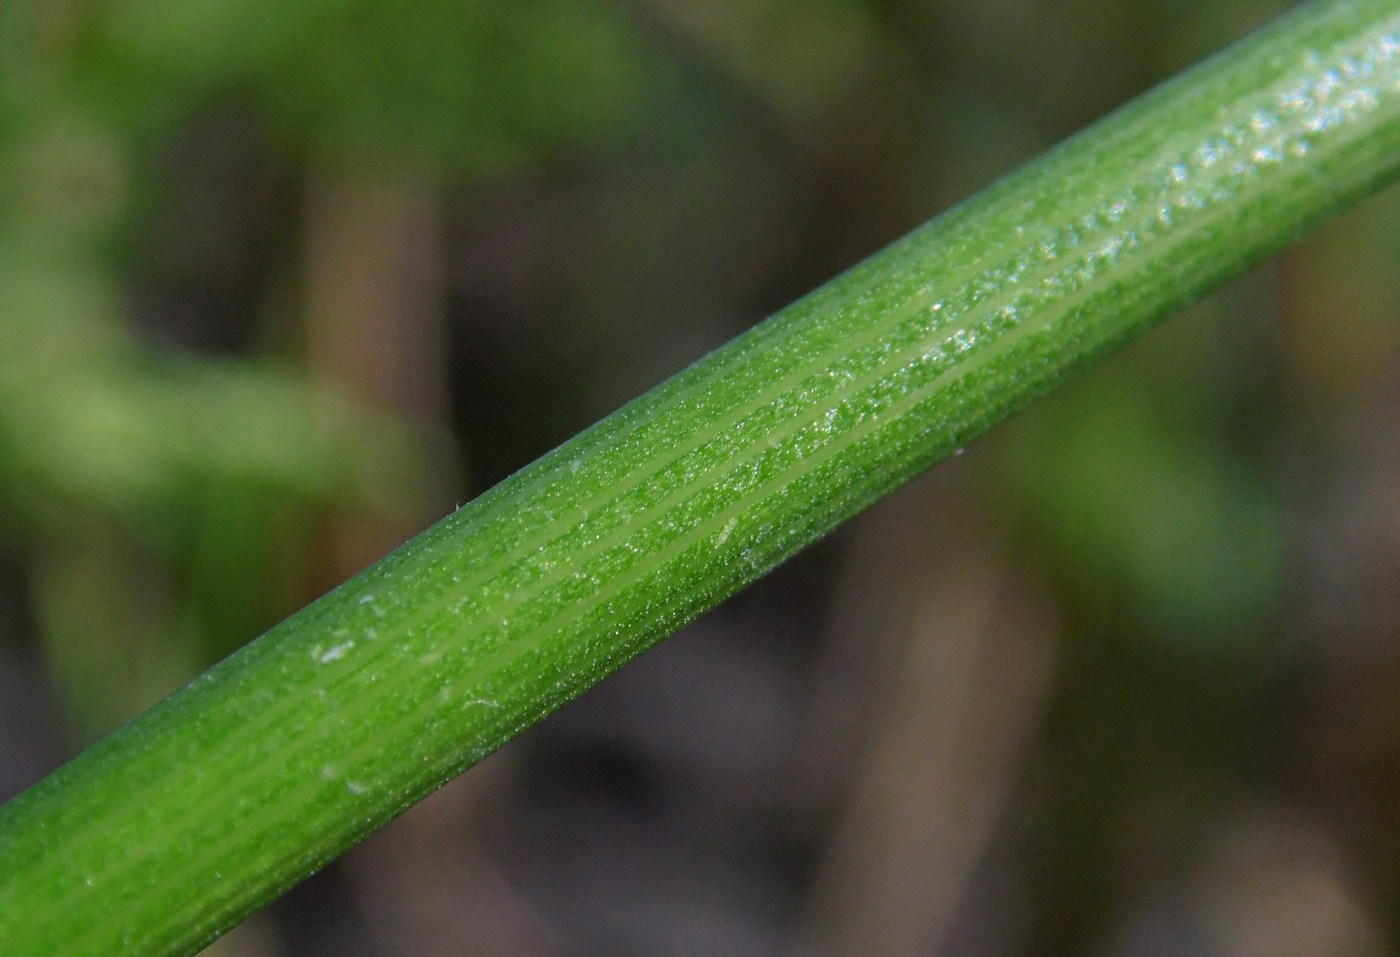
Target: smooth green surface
{"type": "Point", "coordinates": [168, 832]}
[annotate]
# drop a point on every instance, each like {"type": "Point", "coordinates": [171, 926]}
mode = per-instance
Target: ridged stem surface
{"type": "Point", "coordinates": [165, 834]}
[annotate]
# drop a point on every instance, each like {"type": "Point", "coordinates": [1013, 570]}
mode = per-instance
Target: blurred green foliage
{"type": "Point", "coordinates": [164, 497]}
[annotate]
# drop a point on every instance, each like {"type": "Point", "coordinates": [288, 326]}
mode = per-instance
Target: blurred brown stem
{"type": "Point", "coordinates": [374, 320]}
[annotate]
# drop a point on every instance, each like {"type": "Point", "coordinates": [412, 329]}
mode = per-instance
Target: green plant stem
{"type": "Point", "coordinates": [165, 834]}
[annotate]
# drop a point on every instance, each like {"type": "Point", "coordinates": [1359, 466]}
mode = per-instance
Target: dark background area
{"type": "Point", "coordinates": [282, 283]}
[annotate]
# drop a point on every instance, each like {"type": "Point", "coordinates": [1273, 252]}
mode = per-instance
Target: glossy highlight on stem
{"type": "Point", "coordinates": [162, 836]}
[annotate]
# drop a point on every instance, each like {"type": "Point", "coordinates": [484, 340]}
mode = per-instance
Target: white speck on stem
{"type": "Point", "coordinates": [728, 530]}
{"type": "Point", "coordinates": [333, 653]}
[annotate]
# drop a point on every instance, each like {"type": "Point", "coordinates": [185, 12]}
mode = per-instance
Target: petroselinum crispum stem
{"type": "Point", "coordinates": [171, 830]}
